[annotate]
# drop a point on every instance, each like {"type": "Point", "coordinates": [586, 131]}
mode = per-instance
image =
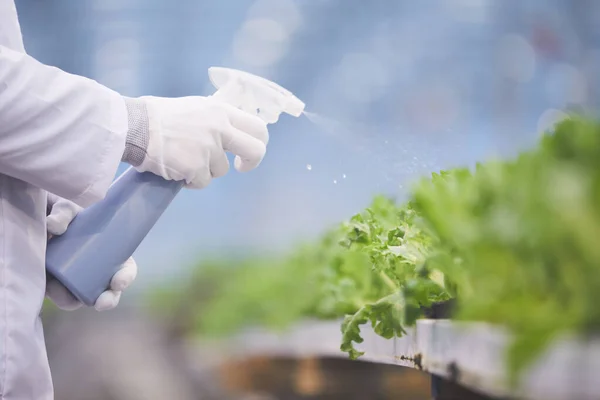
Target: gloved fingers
{"type": "Point", "coordinates": [249, 149]}
{"type": "Point", "coordinates": [238, 164]}
{"type": "Point", "coordinates": [219, 164]}
{"type": "Point", "coordinates": [61, 296]}
{"type": "Point", "coordinates": [108, 300]}
{"type": "Point", "coordinates": [201, 180]}
{"type": "Point", "coordinates": [61, 215]}
{"type": "Point", "coordinates": [124, 277]}
{"type": "Point", "coordinates": [242, 165]}
{"type": "Point", "coordinates": [248, 123]}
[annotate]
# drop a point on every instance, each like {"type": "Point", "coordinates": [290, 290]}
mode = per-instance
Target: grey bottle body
{"type": "Point", "coordinates": [103, 236]}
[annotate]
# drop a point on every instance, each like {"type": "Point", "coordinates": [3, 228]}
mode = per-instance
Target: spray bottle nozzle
{"type": "Point", "coordinates": [254, 94]}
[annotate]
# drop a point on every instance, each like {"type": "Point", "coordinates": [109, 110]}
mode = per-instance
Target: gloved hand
{"type": "Point", "coordinates": [187, 138]}
{"type": "Point", "coordinates": [60, 214]}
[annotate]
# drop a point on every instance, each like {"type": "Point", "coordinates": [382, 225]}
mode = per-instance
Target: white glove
{"type": "Point", "coordinates": [61, 213]}
{"type": "Point", "coordinates": [188, 138]}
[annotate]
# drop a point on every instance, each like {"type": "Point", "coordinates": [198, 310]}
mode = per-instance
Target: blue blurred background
{"type": "Point", "coordinates": [398, 89]}
{"type": "Point", "coordinates": [395, 89]}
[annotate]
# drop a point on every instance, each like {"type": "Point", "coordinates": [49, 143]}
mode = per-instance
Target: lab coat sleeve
{"type": "Point", "coordinates": [60, 132]}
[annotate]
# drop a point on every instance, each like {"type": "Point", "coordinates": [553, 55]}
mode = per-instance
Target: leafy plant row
{"type": "Point", "coordinates": [514, 242]}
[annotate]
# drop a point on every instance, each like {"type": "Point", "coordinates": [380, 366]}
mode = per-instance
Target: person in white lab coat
{"type": "Point", "coordinates": [62, 138]}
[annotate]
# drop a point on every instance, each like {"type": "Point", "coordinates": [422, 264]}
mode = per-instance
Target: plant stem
{"type": "Point", "coordinates": [388, 281]}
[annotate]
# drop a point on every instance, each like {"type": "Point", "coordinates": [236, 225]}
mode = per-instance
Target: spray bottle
{"type": "Point", "coordinates": [103, 236]}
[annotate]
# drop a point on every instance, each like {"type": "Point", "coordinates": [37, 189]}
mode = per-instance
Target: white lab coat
{"type": "Point", "coordinates": [59, 133]}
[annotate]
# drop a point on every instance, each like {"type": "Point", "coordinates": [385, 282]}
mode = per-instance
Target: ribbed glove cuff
{"type": "Point", "coordinates": [138, 133]}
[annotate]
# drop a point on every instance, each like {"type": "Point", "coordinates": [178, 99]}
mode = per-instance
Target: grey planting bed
{"type": "Point", "coordinates": [470, 355]}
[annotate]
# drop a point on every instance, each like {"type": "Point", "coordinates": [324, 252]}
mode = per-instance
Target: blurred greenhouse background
{"type": "Point", "coordinates": [395, 89]}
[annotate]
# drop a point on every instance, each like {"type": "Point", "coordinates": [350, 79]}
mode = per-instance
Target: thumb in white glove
{"type": "Point", "coordinates": [188, 137]}
{"type": "Point", "coordinates": [61, 213]}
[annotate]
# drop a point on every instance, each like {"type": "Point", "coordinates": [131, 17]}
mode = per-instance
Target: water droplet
{"type": "Point", "coordinates": [335, 181]}
{"type": "Point", "coordinates": [343, 176]}
{"type": "Point", "coordinates": [308, 167]}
